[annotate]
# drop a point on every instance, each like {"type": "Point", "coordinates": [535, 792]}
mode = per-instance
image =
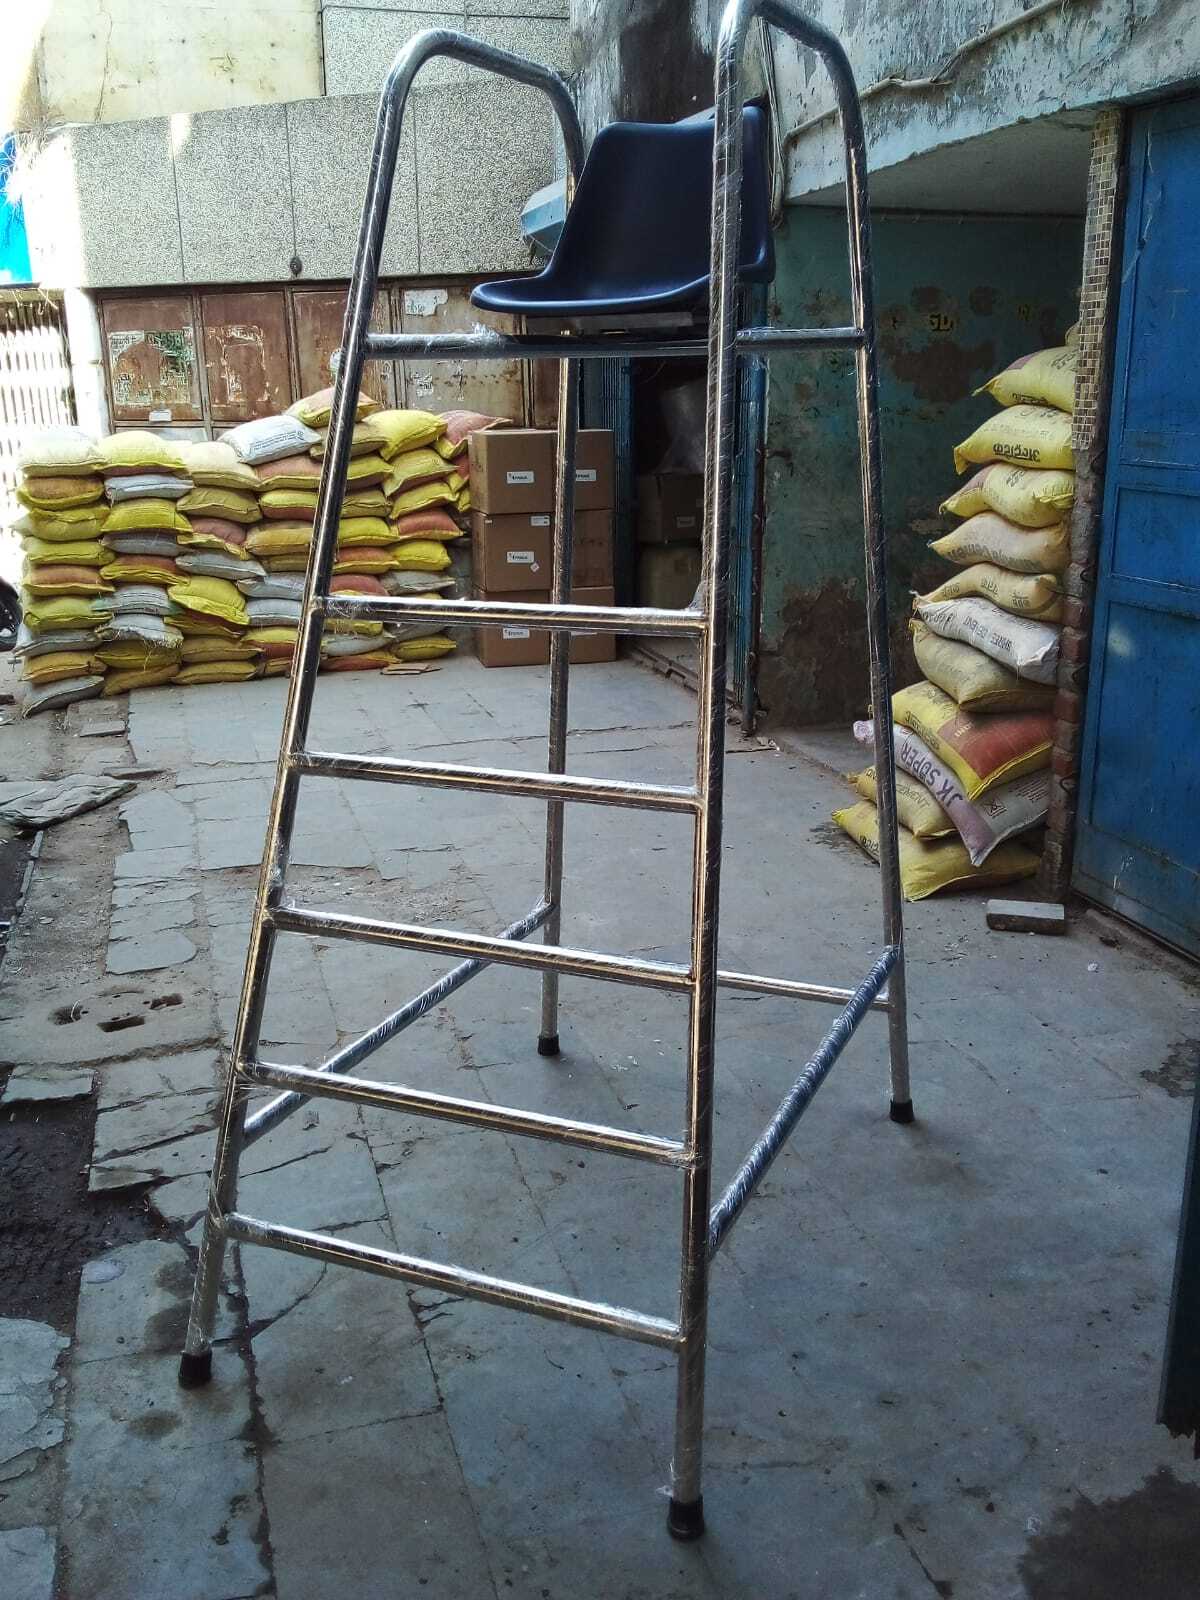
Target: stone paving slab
{"type": "Point", "coordinates": [27, 1561]}
{"type": "Point", "coordinates": [134, 1299]}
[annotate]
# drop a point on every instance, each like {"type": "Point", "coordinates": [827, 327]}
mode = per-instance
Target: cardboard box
{"type": "Point", "coordinates": [670, 508]}
{"type": "Point", "coordinates": [528, 647]}
{"type": "Point", "coordinates": [512, 469]}
{"type": "Point", "coordinates": [587, 647]}
{"type": "Point", "coordinates": [511, 551]}
{"type": "Point", "coordinates": [516, 550]}
{"type": "Point", "coordinates": [515, 646]}
{"type": "Point", "coordinates": [668, 575]}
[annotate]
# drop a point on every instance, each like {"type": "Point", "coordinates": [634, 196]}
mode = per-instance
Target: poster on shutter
{"type": "Point", "coordinates": [497, 388]}
{"type": "Point", "coordinates": [318, 317]}
{"type": "Point", "coordinates": [245, 355]}
{"type": "Point", "coordinates": [150, 353]}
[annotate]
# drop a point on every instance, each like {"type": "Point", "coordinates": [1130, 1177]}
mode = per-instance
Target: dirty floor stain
{"type": "Point", "coordinates": [1144, 1543]}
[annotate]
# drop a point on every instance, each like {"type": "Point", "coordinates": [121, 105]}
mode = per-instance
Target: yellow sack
{"type": "Point", "coordinates": [197, 649]}
{"type": "Point", "coordinates": [60, 453]}
{"type": "Point", "coordinates": [1029, 436]}
{"type": "Point", "coordinates": [1046, 378]}
{"type": "Point", "coordinates": [195, 625]}
{"type": "Point", "coordinates": [406, 430]}
{"type": "Point", "coordinates": [212, 597]}
{"type": "Point", "coordinates": [437, 644]}
{"type": "Point", "coordinates": [66, 611]}
{"type": "Point", "coordinates": [140, 569]}
{"type": "Point", "coordinates": [370, 502]}
{"type": "Point", "coordinates": [364, 560]}
{"type": "Point", "coordinates": [462, 501]}
{"type": "Point", "coordinates": [419, 555]}
{"type": "Point", "coordinates": [1024, 495]}
{"type": "Point", "coordinates": [71, 552]}
{"type": "Point", "coordinates": [423, 496]}
{"type": "Point", "coordinates": [988, 537]}
{"type": "Point", "coordinates": [365, 470]}
{"type": "Point", "coordinates": [363, 661]}
{"type": "Point", "coordinates": [60, 494]}
{"type": "Point", "coordinates": [280, 538]}
{"type": "Point", "coordinates": [276, 667]}
{"type": "Point", "coordinates": [135, 450]}
{"type": "Point", "coordinates": [148, 516]}
{"type": "Point", "coordinates": [282, 505]}
{"type": "Point", "coordinates": [139, 678]}
{"type": "Point", "coordinates": [364, 441]}
{"type": "Point", "coordinates": [927, 866]}
{"type": "Point", "coordinates": [981, 751]}
{"type": "Point", "coordinates": [60, 527]}
{"type": "Point", "coordinates": [1071, 337]}
{"type": "Point", "coordinates": [363, 530]}
{"type": "Point", "coordinates": [216, 671]}
{"type": "Point", "coordinates": [416, 467]}
{"type": "Point", "coordinates": [973, 680]}
{"type": "Point", "coordinates": [56, 665]}
{"type": "Point", "coordinates": [135, 656]}
{"type": "Point", "coordinates": [214, 465]}
{"type": "Point", "coordinates": [918, 811]}
{"type": "Point", "coordinates": [1038, 597]}
{"type": "Point", "coordinates": [315, 410]}
{"type": "Point", "coordinates": [234, 505]}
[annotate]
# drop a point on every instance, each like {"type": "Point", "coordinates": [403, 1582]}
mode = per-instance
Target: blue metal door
{"type": "Point", "coordinates": [1138, 846]}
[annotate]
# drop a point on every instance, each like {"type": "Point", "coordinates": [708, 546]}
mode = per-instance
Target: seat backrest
{"type": "Point", "coordinates": [641, 212]}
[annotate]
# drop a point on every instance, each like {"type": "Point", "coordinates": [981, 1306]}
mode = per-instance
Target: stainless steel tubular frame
{"type": "Point", "coordinates": [686, 1514]}
{"type": "Point", "coordinates": [703, 1225]}
{"type": "Point", "coordinates": [196, 1360]}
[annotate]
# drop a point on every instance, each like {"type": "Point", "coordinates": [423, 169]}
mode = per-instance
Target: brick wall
{"type": "Point", "coordinates": [1097, 311]}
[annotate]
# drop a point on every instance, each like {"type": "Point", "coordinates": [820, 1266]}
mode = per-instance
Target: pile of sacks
{"type": "Point", "coordinates": [152, 562]}
{"type": "Point", "coordinates": [973, 740]}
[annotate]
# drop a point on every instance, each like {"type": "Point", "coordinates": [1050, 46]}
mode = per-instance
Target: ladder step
{"type": "Point", "coordinates": [487, 345]}
{"type": "Point", "coordinates": [500, 613]}
{"type": "Point", "coordinates": [454, 1280]}
{"type": "Point", "coordinates": [497, 780]}
{"type": "Point", "coordinates": [444, 941]}
{"type": "Point", "coordinates": [475, 1113]}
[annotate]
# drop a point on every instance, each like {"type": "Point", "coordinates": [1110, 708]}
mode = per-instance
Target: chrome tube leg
{"type": "Point", "coordinates": [560, 669]}
{"type": "Point", "coordinates": [196, 1361]}
{"type": "Point", "coordinates": [685, 1519]}
{"type": "Point", "coordinates": [862, 295]}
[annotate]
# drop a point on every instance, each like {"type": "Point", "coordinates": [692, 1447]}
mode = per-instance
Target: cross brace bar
{"type": "Point", "coordinates": [453, 1280]}
{"type": "Point", "coordinates": [475, 1113]}
{"type": "Point", "coordinates": [796, 1102]}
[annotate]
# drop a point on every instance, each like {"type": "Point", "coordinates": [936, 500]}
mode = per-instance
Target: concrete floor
{"type": "Point", "coordinates": [934, 1351]}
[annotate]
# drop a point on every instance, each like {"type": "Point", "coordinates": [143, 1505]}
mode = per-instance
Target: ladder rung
{"type": "Point", "coordinates": [498, 780]}
{"type": "Point", "coordinates": [486, 345]}
{"type": "Point", "coordinates": [476, 1113]}
{"type": "Point", "coordinates": [524, 614]}
{"type": "Point", "coordinates": [791, 989]}
{"type": "Point", "coordinates": [444, 941]}
{"type": "Point", "coordinates": [454, 1280]}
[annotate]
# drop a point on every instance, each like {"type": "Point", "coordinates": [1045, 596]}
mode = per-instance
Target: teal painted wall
{"type": "Point", "coordinates": [958, 299]}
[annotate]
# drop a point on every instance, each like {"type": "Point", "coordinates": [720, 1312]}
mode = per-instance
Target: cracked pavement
{"type": "Point", "coordinates": [907, 1326]}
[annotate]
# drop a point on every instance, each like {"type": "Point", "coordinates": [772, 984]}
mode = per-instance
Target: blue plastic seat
{"type": "Point", "coordinates": [636, 239]}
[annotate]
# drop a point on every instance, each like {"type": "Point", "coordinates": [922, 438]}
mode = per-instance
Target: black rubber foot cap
{"type": "Point", "coordinates": [548, 1047]}
{"type": "Point", "coordinates": [686, 1523]}
{"type": "Point", "coordinates": [195, 1371]}
{"type": "Point", "coordinates": [902, 1111]}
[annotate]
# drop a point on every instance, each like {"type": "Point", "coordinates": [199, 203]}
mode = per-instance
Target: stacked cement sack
{"type": "Point", "coordinates": [151, 562]}
{"type": "Point", "coordinates": [973, 740]}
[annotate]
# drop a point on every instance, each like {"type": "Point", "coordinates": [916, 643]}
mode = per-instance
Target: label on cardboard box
{"type": "Point", "coordinates": [585, 474]}
{"type": "Point", "coordinates": [514, 633]}
{"type": "Point", "coordinates": [685, 522]}
{"type": "Point", "coordinates": [519, 476]}
{"type": "Point", "coordinates": [521, 558]}
{"type": "Point", "coordinates": [539, 522]}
